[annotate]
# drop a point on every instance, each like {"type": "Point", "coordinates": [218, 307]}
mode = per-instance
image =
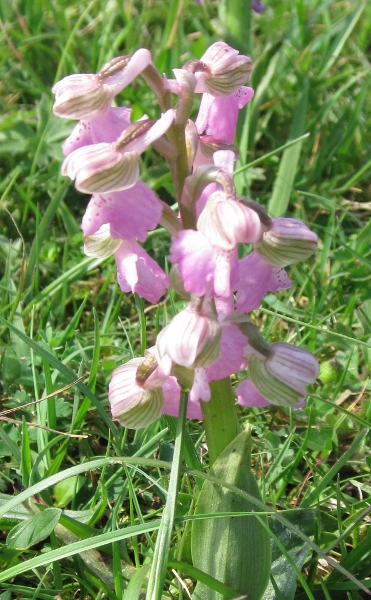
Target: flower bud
{"type": "Point", "coordinates": [226, 223]}
{"type": "Point", "coordinates": [221, 71]}
{"type": "Point", "coordinates": [88, 95]}
{"type": "Point", "coordinates": [110, 167]}
{"type": "Point", "coordinates": [287, 241]}
{"type": "Point", "coordinates": [131, 403]}
{"type": "Point", "coordinates": [192, 338]}
{"type": "Point", "coordinates": [80, 96]}
{"type": "Point", "coordinates": [101, 168]}
{"type": "Point", "coordinates": [283, 376]}
{"type": "Point", "coordinates": [101, 244]}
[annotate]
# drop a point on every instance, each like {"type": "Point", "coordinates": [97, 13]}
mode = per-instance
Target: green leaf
{"type": "Point", "coordinates": [134, 591]}
{"type": "Point", "coordinates": [34, 530]}
{"type": "Point", "coordinates": [66, 490]}
{"type": "Point", "coordinates": [233, 550]}
{"type": "Point", "coordinates": [295, 553]}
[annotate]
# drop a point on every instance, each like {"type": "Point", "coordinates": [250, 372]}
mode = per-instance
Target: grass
{"type": "Point", "coordinates": [64, 322]}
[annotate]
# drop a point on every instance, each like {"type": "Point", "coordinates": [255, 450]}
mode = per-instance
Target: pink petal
{"type": "Point", "coordinates": [248, 395]}
{"type": "Point", "coordinates": [231, 358]}
{"type": "Point", "coordinates": [226, 271]}
{"type": "Point", "coordinates": [138, 272]}
{"type": "Point", "coordinates": [106, 127]}
{"type": "Point", "coordinates": [120, 80]}
{"type": "Point", "coordinates": [131, 213]}
{"type": "Point", "coordinates": [257, 278]}
{"type": "Point", "coordinates": [156, 131]}
{"type": "Point", "coordinates": [171, 391]}
{"type": "Point", "coordinates": [218, 115]}
{"type": "Point", "coordinates": [200, 389]}
{"type": "Point", "coordinates": [194, 256]}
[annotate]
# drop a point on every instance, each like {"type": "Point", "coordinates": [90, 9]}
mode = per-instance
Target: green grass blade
{"type": "Point", "coordinates": [284, 182]}
{"type": "Point", "coordinates": [314, 495]}
{"type": "Point", "coordinates": [160, 557]}
{"type": "Point", "coordinates": [67, 373]}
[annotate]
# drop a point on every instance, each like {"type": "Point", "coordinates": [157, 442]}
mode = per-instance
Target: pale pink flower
{"type": "Point", "coordinates": [192, 338]}
{"type": "Point", "coordinates": [287, 241]}
{"type": "Point", "coordinates": [87, 95]}
{"type": "Point", "coordinates": [132, 404]}
{"type": "Point", "coordinates": [203, 267]}
{"type": "Point", "coordinates": [110, 167]}
{"type": "Point", "coordinates": [282, 375]}
{"type": "Point", "coordinates": [130, 213]}
{"type": "Point", "coordinates": [138, 272]}
{"type": "Point", "coordinates": [227, 222]}
{"type": "Point", "coordinates": [106, 127]}
{"type": "Point", "coordinates": [221, 70]}
{"type": "Point", "coordinates": [218, 116]}
{"type": "Point", "coordinates": [136, 405]}
{"type": "Point", "coordinates": [256, 278]}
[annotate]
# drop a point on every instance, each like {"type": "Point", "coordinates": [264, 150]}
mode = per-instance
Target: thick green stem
{"type": "Point", "coordinates": [220, 418]}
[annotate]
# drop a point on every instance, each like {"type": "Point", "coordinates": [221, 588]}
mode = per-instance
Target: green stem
{"type": "Point", "coordinates": [179, 165]}
{"type": "Point", "coordinates": [220, 418]}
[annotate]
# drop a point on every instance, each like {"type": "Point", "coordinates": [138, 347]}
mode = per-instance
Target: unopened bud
{"type": "Point", "coordinates": [88, 95]}
{"type": "Point", "coordinates": [282, 377]}
{"type": "Point", "coordinates": [101, 168]}
{"type": "Point", "coordinates": [131, 404]}
{"type": "Point", "coordinates": [192, 338]}
{"type": "Point", "coordinates": [226, 223]}
{"type": "Point", "coordinates": [80, 96]}
{"type": "Point", "coordinates": [222, 70]}
{"type": "Point", "coordinates": [287, 241]}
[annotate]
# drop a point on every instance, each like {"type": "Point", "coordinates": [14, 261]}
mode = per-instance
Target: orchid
{"type": "Point", "coordinates": [225, 254]}
{"type": "Point", "coordinates": [211, 338]}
